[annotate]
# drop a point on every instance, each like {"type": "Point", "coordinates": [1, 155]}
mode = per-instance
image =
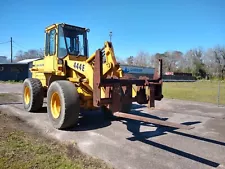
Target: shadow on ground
{"type": "Point", "coordinates": [11, 103]}
{"type": "Point", "coordinates": [134, 127]}
{"type": "Point", "coordinates": [90, 120]}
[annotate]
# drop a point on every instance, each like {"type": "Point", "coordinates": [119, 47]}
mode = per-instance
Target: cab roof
{"type": "Point", "coordinates": [64, 24]}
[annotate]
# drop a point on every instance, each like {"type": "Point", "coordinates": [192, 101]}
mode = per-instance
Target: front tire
{"type": "Point", "coordinates": [63, 104]}
{"type": "Point", "coordinates": [33, 94]}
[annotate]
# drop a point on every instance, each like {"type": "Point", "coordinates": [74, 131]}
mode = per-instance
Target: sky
{"type": "Point", "coordinates": [146, 25]}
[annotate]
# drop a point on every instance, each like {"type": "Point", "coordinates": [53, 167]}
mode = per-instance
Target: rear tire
{"type": "Point", "coordinates": [63, 104]}
{"type": "Point", "coordinates": [33, 94]}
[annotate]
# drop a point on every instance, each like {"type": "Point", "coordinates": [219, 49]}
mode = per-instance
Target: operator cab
{"type": "Point", "coordinates": [71, 40]}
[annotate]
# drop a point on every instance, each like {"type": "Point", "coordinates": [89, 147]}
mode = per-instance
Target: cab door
{"type": "Point", "coordinates": [51, 51]}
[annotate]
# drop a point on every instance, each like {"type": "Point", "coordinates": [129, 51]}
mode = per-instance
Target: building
{"type": "Point", "coordinates": [138, 70]}
{"type": "Point", "coordinates": [29, 64]}
{"type": "Point", "coordinates": [20, 71]}
{"type": "Point", "coordinates": [27, 61]}
{"type": "Point", "coordinates": [178, 77]}
{"type": "Point", "coordinates": [13, 71]}
{"type": "Point", "coordinates": [16, 71]}
{"type": "Point", "coordinates": [3, 59]}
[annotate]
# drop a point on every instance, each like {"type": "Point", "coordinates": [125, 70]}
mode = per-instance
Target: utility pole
{"type": "Point", "coordinates": [11, 49]}
{"type": "Point", "coordinates": [110, 35]}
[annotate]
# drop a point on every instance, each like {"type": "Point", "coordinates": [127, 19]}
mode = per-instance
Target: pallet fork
{"type": "Point", "coordinates": [116, 97]}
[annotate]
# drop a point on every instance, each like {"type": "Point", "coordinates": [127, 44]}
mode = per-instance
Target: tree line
{"type": "Point", "coordinates": [209, 63]}
{"type": "Point", "coordinates": [30, 54]}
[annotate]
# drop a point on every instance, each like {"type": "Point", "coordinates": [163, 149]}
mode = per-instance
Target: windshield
{"type": "Point", "coordinates": [72, 40]}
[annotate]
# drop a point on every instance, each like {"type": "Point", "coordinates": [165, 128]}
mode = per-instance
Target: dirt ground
{"type": "Point", "coordinates": [22, 146]}
{"type": "Point", "coordinates": [128, 144]}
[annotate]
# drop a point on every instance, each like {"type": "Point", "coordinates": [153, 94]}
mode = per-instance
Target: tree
{"type": "Point", "coordinates": [219, 53]}
{"type": "Point", "coordinates": [142, 59]}
{"type": "Point", "coordinates": [178, 60]}
{"type": "Point", "coordinates": [155, 59]}
{"type": "Point", "coordinates": [130, 60]}
{"type": "Point", "coordinates": [199, 62]}
{"type": "Point", "coordinates": [30, 54]}
{"type": "Point", "coordinates": [120, 60]}
{"type": "Point", "coordinates": [194, 58]}
{"type": "Point", "coordinates": [215, 61]}
{"type": "Point", "coordinates": [171, 60]}
{"type": "Point", "coordinates": [210, 63]}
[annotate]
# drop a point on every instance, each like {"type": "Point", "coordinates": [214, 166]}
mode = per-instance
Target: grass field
{"type": "Point", "coordinates": [23, 148]}
{"type": "Point", "coordinates": [202, 91]}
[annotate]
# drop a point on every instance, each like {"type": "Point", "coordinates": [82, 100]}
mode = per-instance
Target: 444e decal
{"type": "Point", "coordinates": [79, 66]}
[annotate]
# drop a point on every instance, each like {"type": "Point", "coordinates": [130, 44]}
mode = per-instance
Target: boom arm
{"type": "Point", "coordinates": [109, 69]}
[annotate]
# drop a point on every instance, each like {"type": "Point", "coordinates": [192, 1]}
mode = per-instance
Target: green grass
{"type": "Point", "coordinates": [12, 81]}
{"type": "Point", "coordinates": [23, 149]}
{"type": "Point", "coordinates": [8, 97]}
{"type": "Point", "coordinates": [19, 151]}
{"type": "Point", "coordinates": [202, 91]}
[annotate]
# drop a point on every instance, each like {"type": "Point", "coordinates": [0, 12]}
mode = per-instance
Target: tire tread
{"type": "Point", "coordinates": [37, 94]}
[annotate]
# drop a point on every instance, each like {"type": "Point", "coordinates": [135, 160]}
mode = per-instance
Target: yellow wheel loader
{"type": "Point", "coordinates": [70, 79]}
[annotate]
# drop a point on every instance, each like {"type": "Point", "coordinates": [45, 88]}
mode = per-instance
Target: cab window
{"type": "Point", "coordinates": [62, 51]}
{"type": "Point", "coordinates": [52, 42]}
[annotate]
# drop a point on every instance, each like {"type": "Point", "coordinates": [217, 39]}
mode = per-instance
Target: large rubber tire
{"type": "Point", "coordinates": [63, 94]}
{"type": "Point", "coordinates": [33, 94]}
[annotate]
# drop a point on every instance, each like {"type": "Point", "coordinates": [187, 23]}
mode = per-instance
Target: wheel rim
{"type": "Point", "coordinates": [55, 105]}
{"type": "Point", "coordinates": [27, 95]}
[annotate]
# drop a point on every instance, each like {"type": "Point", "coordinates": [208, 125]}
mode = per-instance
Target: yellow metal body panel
{"type": "Point", "coordinates": [79, 70]}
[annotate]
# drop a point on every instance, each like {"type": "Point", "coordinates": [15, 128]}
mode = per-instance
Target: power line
{"type": "Point", "coordinates": [4, 42]}
{"type": "Point", "coordinates": [11, 52]}
{"type": "Point", "coordinates": [19, 45]}
{"type": "Point", "coordinates": [16, 47]}
{"type": "Point", "coordinates": [11, 46]}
